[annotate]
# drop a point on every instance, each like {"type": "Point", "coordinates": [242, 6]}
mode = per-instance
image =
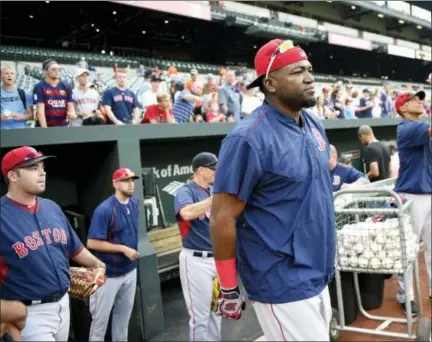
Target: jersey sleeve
{"type": "Point", "coordinates": [99, 224]}
{"type": "Point", "coordinates": [135, 101]}
{"type": "Point", "coordinates": [70, 94]}
{"type": "Point", "coordinates": [222, 97]}
{"type": "Point", "coordinates": [413, 134]}
{"type": "Point", "coordinates": [183, 198]}
{"type": "Point", "coordinates": [353, 175]}
{"type": "Point", "coordinates": [38, 95]}
{"type": "Point", "coordinates": [239, 168]}
{"type": "Point", "coordinates": [74, 246]}
{"type": "Point", "coordinates": [107, 99]}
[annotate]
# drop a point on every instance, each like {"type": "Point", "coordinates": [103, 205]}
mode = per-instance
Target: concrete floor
{"type": "Point", "coordinates": [248, 329]}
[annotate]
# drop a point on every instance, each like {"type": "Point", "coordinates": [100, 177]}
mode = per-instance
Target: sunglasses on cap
{"type": "Point", "coordinates": [283, 47]}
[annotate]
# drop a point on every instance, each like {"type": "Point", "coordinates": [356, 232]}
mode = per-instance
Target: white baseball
{"type": "Point", "coordinates": [397, 254]}
{"type": "Point", "coordinates": [381, 239]}
{"type": "Point", "coordinates": [382, 255]}
{"type": "Point", "coordinates": [353, 261]}
{"type": "Point", "coordinates": [375, 247]}
{"type": "Point", "coordinates": [391, 255]}
{"type": "Point", "coordinates": [358, 248]}
{"type": "Point", "coordinates": [368, 254]}
{"type": "Point", "coordinates": [390, 246]}
{"type": "Point", "coordinates": [387, 263]}
{"type": "Point", "coordinates": [342, 251]}
{"type": "Point", "coordinates": [347, 244]}
{"type": "Point", "coordinates": [363, 262]}
{"type": "Point", "coordinates": [393, 234]}
{"type": "Point", "coordinates": [375, 263]}
{"type": "Point", "coordinates": [343, 261]}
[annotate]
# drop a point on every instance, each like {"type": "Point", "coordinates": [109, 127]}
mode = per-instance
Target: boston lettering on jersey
{"type": "Point", "coordinates": [117, 223]}
{"type": "Point", "coordinates": [35, 247]}
{"type": "Point", "coordinates": [285, 235]}
{"type": "Point", "coordinates": [55, 100]}
{"type": "Point", "coordinates": [195, 234]}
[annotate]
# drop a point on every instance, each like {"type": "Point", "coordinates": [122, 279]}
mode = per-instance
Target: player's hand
{"type": "Point", "coordinates": [18, 117]}
{"type": "Point", "coordinates": [231, 303]}
{"type": "Point", "coordinates": [130, 253]}
{"type": "Point", "coordinates": [72, 115]}
{"type": "Point", "coordinates": [4, 117]}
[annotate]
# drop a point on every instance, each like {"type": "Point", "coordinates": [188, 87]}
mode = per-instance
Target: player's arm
{"type": "Point", "coordinates": [414, 134]}
{"type": "Point", "coordinates": [39, 99]}
{"type": "Point", "coordinates": [13, 312]}
{"type": "Point", "coordinates": [223, 100]}
{"type": "Point", "coordinates": [355, 178]}
{"type": "Point", "coordinates": [237, 174]}
{"type": "Point", "coordinates": [98, 236]}
{"type": "Point", "coordinates": [70, 105]}
{"type": "Point", "coordinates": [136, 110]}
{"type": "Point", "coordinates": [185, 207]}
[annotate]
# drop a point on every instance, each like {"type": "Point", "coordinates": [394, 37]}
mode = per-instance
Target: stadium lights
{"type": "Point", "coordinates": [166, 22]}
{"type": "Point", "coordinates": [255, 46]}
{"type": "Point", "coordinates": [380, 15]}
{"type": "Point", "coordinates": [103, 51]}
{"type": "Point", "coordinates": [114, 12]}
{"type": "Point", "coordinates": [30, 16]}
{"type": "Point", "coordinates": [329, 1]}
{"type": "Point", "coordinates": [353, 7]}
{"type": "Point", "coordinates": [143, 32]}
{"type": "Point", "coordinates": [92, 25]}
{"type": "Point", "coordinates": [97, 30]}
{"type": "Point", "coordinates": [419, 27]}
{"type": "Point", "coordinates": [47, 2]}
{"type": "Point", "coordinates": [401, 22]}
{"type": "Point", "coordinates": [182, 37]}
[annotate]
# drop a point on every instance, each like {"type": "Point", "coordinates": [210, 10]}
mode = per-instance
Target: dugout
{"type": "Point", "coordinates": [87, 156]}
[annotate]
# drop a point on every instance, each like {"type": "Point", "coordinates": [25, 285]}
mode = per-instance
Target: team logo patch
{"type": "Point", "coordinates": [319, 139]}
{"type": "Point", "coordinates": [336, 180]}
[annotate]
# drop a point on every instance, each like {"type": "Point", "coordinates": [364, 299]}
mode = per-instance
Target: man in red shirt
{"type": "Point", "coordinates": [160, 112]}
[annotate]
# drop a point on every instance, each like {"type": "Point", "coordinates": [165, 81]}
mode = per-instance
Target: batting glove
{"type": "Point", "coordinates": [231, 303]}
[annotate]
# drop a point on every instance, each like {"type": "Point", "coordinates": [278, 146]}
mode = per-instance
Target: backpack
{"type": "Point", "coordinates": [22, 96]}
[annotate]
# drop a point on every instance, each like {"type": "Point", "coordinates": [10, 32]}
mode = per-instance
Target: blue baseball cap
{"type": "Point", "coordinates": [204, 159]}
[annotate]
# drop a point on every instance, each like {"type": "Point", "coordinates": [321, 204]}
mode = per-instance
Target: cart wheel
{"type": "Point", "coordinates": [334, 331]}
{"type": "Point", "coordinates": [424, 329]}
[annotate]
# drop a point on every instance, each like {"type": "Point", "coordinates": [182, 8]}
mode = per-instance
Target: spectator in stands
{"type": "Point", "coordinates": [366, 105]}
{"type": "Point", "coordinates": [149, 97]}
{"type": "Point", "coordinates": [250, 102]}
{"type": "Point", "coordinates": [120, 103]}
{"type": "Point", "coordinates": [160, 112]}
{"type": "Point", "coordinates": [185, 103]}
{"type": "Point", "coordinates": [229, 98]}
{"type": "Point", "coordinates": [327, 97]}
{"type": "Point", "coordinates": [214, 116]}
{"type": "Point", "coordinates": [385, 100]}
{"type": "Point", "coordinates": [172, 70]}
{"type": "Point", "coordinates": [16, 105]}
{"type": "Point", "coordinates": [338, 103]}
{"type": "Point", "coordinates": [82, 64]}
{"type": "Point", "coordinates": [145, 85]}
{"type": "Point", "coordinates": [100, 83]}
{"type": "Point", "coordinates": [349, 108]}
{"type": "Point", "coordinates": [53, 98]}
{"type": "Point", "coordinates": [86, 101]}
{"type": "Point", "coordinates": [211, 95]}
{"type": "Point", "coordinates": [376, 109]}
{"type": "Point", "coordinates": [321, 110]}
{"type": "Point", "coordinates": [193, 79]}
{"type": "Point", "coordinates": [141, 70]}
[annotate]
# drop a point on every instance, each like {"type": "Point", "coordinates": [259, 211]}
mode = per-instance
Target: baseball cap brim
{"type": "Point", "coordinates": [126, 178]}
{"type": "Point", "coordinates": [33, 161]}
{"type": "Point", "coordinates": [255, 83]}
{"type": "Point", "coordinates": [420, 94]}
{"type": "Point", "coordinates": [212, 166]}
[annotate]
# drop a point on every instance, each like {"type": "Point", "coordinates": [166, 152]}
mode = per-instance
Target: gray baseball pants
{"type": "Point", "coordinates": [117, 294]}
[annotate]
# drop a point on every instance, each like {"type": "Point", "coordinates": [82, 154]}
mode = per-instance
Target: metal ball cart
{"type": "Point", "coordinates": [375, 235]}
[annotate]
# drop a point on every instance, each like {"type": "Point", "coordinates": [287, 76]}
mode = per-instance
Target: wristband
{"type": "Point", "coordinates": [227, 273]}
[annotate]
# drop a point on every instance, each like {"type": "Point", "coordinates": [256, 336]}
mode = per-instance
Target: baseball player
{"type": "Point", "coordinates": [35, 246]}
{"type": "Point", "coordinates": [197, 266]}
{"type": "Point", "coordinates": [344, 176]}
{"type": "Point", "coordinates": [415, 176]}
{"type": "Point", "coordinates": [113, 236]}
{"type": "Point", "coordinates": [273, 204]}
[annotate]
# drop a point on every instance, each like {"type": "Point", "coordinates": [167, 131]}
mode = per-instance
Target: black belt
{"type": "Point", "coordinates": [51, 299]}
{"type": "Point", "coordinates": [203, 254]}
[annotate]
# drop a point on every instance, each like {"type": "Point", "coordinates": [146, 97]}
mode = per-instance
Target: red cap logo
{"type": "Point", "coordinates": [123, 174]}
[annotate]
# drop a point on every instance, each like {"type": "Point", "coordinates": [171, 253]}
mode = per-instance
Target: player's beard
{"type": "Point", "coordinates": [308, 103]}
{"type": "Point", "coordinates": [127, 193]}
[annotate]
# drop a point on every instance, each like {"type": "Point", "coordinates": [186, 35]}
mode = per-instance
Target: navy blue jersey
{"type": "Point", "coordinates": [365, 114]}
{"type": "Point", "coordinates": [116, 223]}
{"type": "Point", "coordinates": [35, 247]}
{"type": "Point", "coordinates": [122, 103]}
{"type": "Point", "coordinates": [286, 234]}
{"type": "Point", "coordinates": [415, 153]}
{"type": "Point", "coordinates": [195, 234]}
{"type": "Point", "coordinates": [342, 174]}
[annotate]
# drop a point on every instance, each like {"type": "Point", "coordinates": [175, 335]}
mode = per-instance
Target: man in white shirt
{"type": "Point", "coordinates": [86, 101]}
{"type": "Point", "coordinates": [250, 102]}
{"type": "Point", "coordinates": [149, 97]}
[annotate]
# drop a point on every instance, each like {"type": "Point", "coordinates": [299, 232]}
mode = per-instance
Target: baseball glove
{"type": "Point", "coordinates": [85, 281]}
{"type": "Point", "coordinates": [215, 295]}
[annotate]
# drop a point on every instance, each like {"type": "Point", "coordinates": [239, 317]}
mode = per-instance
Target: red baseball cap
{"type": "Point", "coordinates": [21, 157]}
{"type": "Point", "coordinates": [123, 174]}
{"type": "Point", "coordinates": [405, 97]}
{"type": "Point", "coordinates": [264, 56]}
